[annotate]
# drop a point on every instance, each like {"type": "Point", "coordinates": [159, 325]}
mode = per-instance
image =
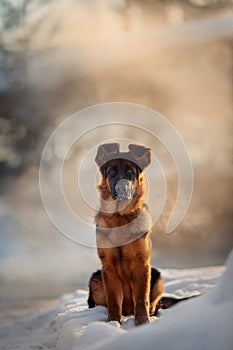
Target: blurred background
{"type": "Point", "coordinates": [57, 57]}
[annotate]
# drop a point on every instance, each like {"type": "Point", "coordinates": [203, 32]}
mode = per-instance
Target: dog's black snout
{"type": "Point", "coordinates": [122, 186]}
{"type": "Point", "coordinates": [124, 189]}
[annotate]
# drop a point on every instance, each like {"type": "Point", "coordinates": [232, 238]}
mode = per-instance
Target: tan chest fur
{"type": "Point", "coordinates": [117, 230]}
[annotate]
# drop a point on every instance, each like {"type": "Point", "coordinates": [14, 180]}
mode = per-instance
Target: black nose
{"type": "Point", "coordinates": [122, 186]}
{"type": "Point", "coordinates": [124, 190]}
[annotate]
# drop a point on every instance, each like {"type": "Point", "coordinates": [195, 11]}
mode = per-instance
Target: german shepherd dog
{"type": "Point", "coordinates": [126, 284]}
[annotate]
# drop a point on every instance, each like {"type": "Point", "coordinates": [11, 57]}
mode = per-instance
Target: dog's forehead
{"type": "Point", "coordinates": [120, 162]}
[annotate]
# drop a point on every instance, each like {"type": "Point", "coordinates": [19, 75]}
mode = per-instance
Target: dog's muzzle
{"type": "Point", "coordinates": [124, 190]}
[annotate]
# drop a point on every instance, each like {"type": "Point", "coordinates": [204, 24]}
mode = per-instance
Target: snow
{"type": "Point", "coordinates": [190, 325]}
{"type": "Point", "coordinates": [200, 323]}
{"type": "Point", "coordinates": [33, 332]}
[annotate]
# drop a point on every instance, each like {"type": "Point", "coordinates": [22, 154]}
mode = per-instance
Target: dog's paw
{"type": "Point", "coordinates": [115, 319]}
{"type": "Point", "coordinates": [142, 319]}
{"type": "Point", "coordinates": [115, 324]}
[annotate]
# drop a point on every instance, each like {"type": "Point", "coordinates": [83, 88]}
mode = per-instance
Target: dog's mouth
{"type": "Point", "coordinates": [124, 190]}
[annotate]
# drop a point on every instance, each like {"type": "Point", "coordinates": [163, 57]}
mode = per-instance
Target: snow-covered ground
{"type": "Point", "coordinates": [205, 322]}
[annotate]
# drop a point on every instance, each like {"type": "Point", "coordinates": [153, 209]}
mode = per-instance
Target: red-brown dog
{"type": "Point", "coordinates": [123, 236]}
{"type": "Point", "coordinates": [127, 284]}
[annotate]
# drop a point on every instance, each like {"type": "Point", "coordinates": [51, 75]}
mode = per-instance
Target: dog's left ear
{"type": "Point", "coordinates": [141, 155]}
{"type": "Point", "coordinates": [106, 152]}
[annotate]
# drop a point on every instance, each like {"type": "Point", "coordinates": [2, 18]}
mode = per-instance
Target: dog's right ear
{"type": "Point", "coordinates": [141, 155]}
{"type": "Point", "coordinates": [106, 152]}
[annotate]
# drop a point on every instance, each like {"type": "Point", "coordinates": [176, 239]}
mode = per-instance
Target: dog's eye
{"type": "Point", "coordinates": [112, 171]}
{"type": "Point", "coordinates": [129, 173]}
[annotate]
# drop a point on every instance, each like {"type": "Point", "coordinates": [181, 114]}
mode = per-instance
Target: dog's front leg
{"type": "Point", "coordinates": [141, 287]}
{"type": "Point", "coordinates": [114, 293]}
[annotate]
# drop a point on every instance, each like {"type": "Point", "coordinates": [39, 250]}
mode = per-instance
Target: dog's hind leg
{"type": "Point", "coordinates": [156, 291]}
{"type": "Point", "coordinates": [97, 294]}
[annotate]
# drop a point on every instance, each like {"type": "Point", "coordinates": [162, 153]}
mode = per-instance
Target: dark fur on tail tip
{"type": "Point", "coordinates": [167, 302]}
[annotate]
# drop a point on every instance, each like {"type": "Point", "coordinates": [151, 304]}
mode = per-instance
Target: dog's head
{"type": "Point", "coordinates": [122, 172]}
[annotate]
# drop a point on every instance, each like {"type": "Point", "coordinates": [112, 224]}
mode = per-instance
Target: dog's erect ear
{"type": "Point", "coordinates": [106, 152]}
{"type": "Point", "coordinates": [141, 155]}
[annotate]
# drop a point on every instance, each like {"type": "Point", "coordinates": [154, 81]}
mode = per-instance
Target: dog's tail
{"type": "Point", "coordinates": [167, 302]}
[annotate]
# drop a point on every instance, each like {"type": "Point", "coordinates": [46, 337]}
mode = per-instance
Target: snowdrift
{"type": "Point", "coordinates": [205, 322]}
